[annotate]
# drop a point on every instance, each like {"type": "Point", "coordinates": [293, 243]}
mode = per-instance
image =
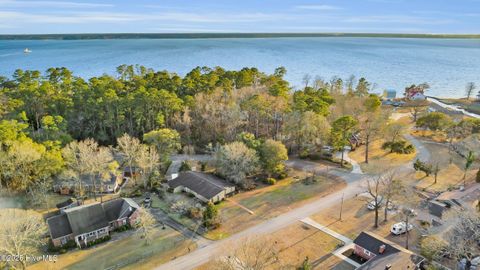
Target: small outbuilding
{"type": "Point", "coordinates": [205, 187]}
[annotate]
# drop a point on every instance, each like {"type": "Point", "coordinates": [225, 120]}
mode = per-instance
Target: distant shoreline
{"type": "Point", "coordinates": [224, 35]}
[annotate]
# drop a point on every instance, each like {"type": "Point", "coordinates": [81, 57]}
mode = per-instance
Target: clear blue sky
{"type": "Point", "coordinates": [166, 16]}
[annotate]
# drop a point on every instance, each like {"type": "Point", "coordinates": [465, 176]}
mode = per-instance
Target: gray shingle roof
{"type": "Point", "coordinates": [86, 218]}
{"type": "Point", "coordinates": [206, 185]}
{"type": "Point", "coordinates": [59, 226]}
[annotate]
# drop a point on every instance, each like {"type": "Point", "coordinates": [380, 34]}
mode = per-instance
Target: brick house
{"type": "Point", "coordinates": [380, 254]}
{"type": "Point", "coordinates": [86, 223]}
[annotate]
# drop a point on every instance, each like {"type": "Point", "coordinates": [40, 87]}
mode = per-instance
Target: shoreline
{"type": "Point", "coordinates": [457, 108]}
{"type": "Point", "coordinates": [91, 36]}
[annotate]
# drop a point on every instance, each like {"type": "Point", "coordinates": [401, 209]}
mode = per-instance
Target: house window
{"type": "Point", "coordinates": [124, 221]}
{"type": "Point", "coordinates": [367, 252]}
{"type": "Point", "coordinates": [91, 233]}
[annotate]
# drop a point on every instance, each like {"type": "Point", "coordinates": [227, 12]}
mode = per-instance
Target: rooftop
{"type": "Point", "coordinates": [91, 217]}
{"type": "Point", "coordinates": [206, 185]}
{"type": "Point", "coordinates": [394, 255]}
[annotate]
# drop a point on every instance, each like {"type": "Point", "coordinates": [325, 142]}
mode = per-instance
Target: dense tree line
{"type": "Point", "coordinates": [44, 116]}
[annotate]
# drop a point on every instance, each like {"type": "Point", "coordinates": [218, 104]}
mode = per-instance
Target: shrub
{"type": "Point", "coordinates": [62, 249]}
{"type": "Point", "coordinates": [315, 156]}
{"type": "Point", "coordinates": [423, 167]}
{"type": "Point", "coordinates": [210, 217]}
{"type": "Point", "coordinates": [194, 212]}
{"type": "Point", "coordinates": [400, 147]}
{"type": "Point", "coordinates": [123, 228]}
{"type": "Point", "coordinates": [282, 175]}
{"type": "Point", "coordinates": [203, 166]}
{"type": "Point", "coordinates": [185, 166]}
{"type": "Point", "coordinates": [270, 181]}
{"type": "Point", "coordinates": [98, 241]}
{"type": "Point", "coordinates": [303, 154]}
{"type": "Point", "coordinates": [478, 176]}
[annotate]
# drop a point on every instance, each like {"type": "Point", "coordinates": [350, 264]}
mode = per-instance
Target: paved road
{"type": "Point", "coordinates": [204, 254]}
{"type": "Point", "coordinates": [355, 186]}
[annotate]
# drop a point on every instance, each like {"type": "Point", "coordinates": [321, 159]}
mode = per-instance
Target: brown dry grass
{"type": "Point", "coordinates": [379, 159]}
{"type": "Point", "coordinates": [451, 170]}
{"type": "Point", "coordinates": [269, 202]}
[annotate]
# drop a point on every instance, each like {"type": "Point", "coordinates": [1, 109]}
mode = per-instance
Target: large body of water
{"type": "Point", "coordinates": [393, 63]}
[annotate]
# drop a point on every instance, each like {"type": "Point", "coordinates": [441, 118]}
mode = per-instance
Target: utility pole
{"type": "Point", "coordinates": [341, 207]}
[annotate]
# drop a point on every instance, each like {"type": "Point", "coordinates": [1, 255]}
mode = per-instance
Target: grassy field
{"type": "Point", "coordinates": [451, 170]}
{"type": "Point", "coordinates": [131, 251]}
{"type": "Point", "coordinates": [269, 202]}
{"type": "Point", "coordinates": [470, 105]}
{"type": "Point", "coordinates": [379, 159]}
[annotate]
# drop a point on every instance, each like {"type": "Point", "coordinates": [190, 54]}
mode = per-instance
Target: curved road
{"type": "Point", "coordinates": [355, 186]}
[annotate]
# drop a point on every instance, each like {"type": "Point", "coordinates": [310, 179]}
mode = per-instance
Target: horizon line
{"type": "Point", "coordinates": [154, 35]}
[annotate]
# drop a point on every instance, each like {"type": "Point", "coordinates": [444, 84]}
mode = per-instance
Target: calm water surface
{"type": "Point", "coordinates": [447, 64]}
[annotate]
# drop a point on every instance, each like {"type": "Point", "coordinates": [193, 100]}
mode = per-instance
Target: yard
{"type": "Point", "coordinates": [269, 202]}
{"type": "Point", "coordinates": [379, 159]}
{"type": "Point", "coordinates": [451, 170]}
{"type": "Point", "coordinates": [130, 252]}
{"type": "Point", "coordinates": [357, 218]}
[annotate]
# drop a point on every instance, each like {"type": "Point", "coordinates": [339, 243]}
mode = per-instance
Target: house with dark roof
{"type": "Point", "coordinates": [379, 254]}
{"type": "Point", "coordinates": [87, 223]}
{"type": "Point", "coordinates": [205, 187]}
{"type": "Point", "coordinates": [109, 184]}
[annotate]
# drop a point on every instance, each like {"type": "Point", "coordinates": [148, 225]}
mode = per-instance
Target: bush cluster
{"type": "Point", "coordinates": [270, 181]}
{"type": "Point", "coordinates": [400, 147]}
{"type": "Point", "coordinates": [98, 241]}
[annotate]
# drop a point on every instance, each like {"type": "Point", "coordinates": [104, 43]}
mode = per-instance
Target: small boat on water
{"type": "Point", "coordinates": [27, 50]}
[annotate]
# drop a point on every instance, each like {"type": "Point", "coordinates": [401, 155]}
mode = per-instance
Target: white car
{"type": "Point", "coordinates": [371, 205]}
{"type": "Point", "coordinates": [400, 228]}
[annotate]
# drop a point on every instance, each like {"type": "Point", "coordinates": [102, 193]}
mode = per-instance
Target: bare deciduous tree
{"type": "Point", "coordinates": [145, 225]}
{"type": "Point", "coordinates": [235, 161]}
{"type": "Point", "coordinates": [148, 160]}
{"type": "Point", "coordinates": [129, 148]}
{"type": "Point", "coordinates": [256, 253]}
{"type": "Point", "coordinates": [464, 237]}
{"type": "Point", "coordinates": [374, 188]}
{"type": "Point", "coordinates": [21, 233]}
{"type": "Point", "coordinates": [469, 88]}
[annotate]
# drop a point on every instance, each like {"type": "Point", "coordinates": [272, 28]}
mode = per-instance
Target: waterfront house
{"type": "Point", "coordinates": [205, 187]}
{"type": "Point", "coordinates": [87, 223]}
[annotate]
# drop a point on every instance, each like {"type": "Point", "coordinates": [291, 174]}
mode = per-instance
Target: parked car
{"type": "Point", "coordinates": [371, 205]}
{"type": "Point", "coordinates": [400, 228]}
{"type": "Point", "coordinates": [147, 201]}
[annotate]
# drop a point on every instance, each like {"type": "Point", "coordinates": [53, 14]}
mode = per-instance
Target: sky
{"type": "Point", "coordinates": [213, 16]}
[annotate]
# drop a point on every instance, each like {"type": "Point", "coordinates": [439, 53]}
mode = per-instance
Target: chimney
{"type": "Point", "coordinates": [381, 249]}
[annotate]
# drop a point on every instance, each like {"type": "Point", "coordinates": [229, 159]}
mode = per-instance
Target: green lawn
{"type": "Point", "coordinates": [130, 251]}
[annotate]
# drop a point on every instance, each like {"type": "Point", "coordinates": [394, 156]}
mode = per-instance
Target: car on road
{"type": "Point", "coordinates": [147, 201]}
{"type": "Point", "coordinates": [400, 228]}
